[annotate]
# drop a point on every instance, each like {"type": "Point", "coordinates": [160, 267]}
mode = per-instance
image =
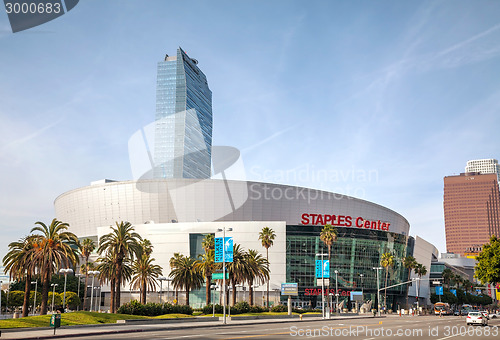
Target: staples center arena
{"type": "Point", "coordinates": [176, 214]}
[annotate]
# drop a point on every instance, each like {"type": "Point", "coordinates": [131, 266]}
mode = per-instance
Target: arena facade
{"type": "Point", "coordinates": [175, 214]}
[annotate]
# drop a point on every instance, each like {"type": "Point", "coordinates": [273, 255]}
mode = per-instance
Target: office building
{"type": "Point", "coordinates": [484, 166]}
{"type": "Point", "coordinates": [183, 122]}
{"type": "Point", "coordinates": [471, 211]}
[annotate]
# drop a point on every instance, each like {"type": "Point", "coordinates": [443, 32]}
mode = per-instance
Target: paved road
{"type": "Point", "coordinates": [393, 327]}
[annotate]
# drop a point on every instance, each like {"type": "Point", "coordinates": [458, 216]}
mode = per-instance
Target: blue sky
{"type": "Point", "coordinates": [385, 97]}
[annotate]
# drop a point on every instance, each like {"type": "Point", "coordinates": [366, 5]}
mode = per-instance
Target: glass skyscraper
{"type": "Point", "coordinates": [183, 122]}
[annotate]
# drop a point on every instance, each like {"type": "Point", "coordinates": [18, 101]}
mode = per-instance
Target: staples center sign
{"type": "Point", "coordinates": [344, 221]}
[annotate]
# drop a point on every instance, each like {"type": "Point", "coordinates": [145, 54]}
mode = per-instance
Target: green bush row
{"type": "Point", "coordinates": [239, 308]}
{"type": "Point", "coordinates": [153, 309]}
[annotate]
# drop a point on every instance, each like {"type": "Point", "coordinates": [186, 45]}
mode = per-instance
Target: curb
{"type": "Point", "coordinates": [180, 327]}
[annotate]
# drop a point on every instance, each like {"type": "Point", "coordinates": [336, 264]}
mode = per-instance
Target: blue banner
{"type": "Point", "coordinates": [454, 291]}
{"type": "Point", "coordinates": [439, 290]}
{"type": "Point", "coordinates": [326, 269]}
{"type": "Point", "coordinates": [223, 247]}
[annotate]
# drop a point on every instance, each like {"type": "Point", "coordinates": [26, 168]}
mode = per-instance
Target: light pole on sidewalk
{"type": "Point", "coordinates": [65, 271]}
{"type": "Point", "coordinates": [378, 288]}
{"type": "Point", "coordinates": [34, 300]}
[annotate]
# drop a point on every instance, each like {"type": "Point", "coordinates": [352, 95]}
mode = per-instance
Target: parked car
{"type": "Point", "coordinates": [476, 318]}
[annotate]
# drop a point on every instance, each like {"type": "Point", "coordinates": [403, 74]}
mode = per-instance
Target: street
{"type": "Point", "coordinates": [422, 327]}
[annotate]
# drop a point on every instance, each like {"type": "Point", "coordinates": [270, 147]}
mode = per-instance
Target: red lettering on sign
{"type": "Point", "coordinates": [319, 220]}
{"type": "Point", "coordinates": [340, 221]}
{"type": "Point", "coordinates": [359, 222]}
{"type": "Point", "coordinates": [343, 221]}
{"type": "Point", "coordinates": [348, 220]}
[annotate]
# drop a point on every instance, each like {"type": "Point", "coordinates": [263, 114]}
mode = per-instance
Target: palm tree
{"type": "Point", "coordinates": [145, 273]}
{"type": "Point", "coordinates": [386, 261]}
{"type": "Point", "coordinates": [86, 248]}
{"type": "Point", "coordinates": [238, 270]}
{"type": "Point", "coordinates": [409, 263]}
{"type": "Point", "coordinates": [447, 276]}
{"type": "Point", "coordinates": [18, 263]}
{"type": "Point", "coordinates": [420, 270]}
{"type": "Point", "coordinates": [257, 270]}
{"type": "Point", "coordinates": [174, 263]}
{"type": "Point", "coordinates": [208, 242]}
{"type": "Point", "coordinates": [328, 235]}
{"type": "Point", "coordinates": [121, 243]}
{"type": "Point", "coordinates": [267, 236]}
{"type": "Point", "coordinates": [185, 275]}
{"type": "Point", "coordinates": [53, 249]}
{"type": "Point", "coordinates": [106, 267]}
{"type": "Point", "coordinates": [206, 265]}
{"type": "Point", "coordinates": [458, 280]}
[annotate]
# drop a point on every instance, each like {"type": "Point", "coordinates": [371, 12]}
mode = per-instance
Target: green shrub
{"type": "Point", "coordinates": [242, 307]}
{"type": "Point", "coordinates": [279, 309]}
{"type": "Point", "coordinates": [153, 309]}
{"type": "Point", "coordinates": [16, 298]}
{"type": "Point", "coordinates": [257, 309]}
{"type": "Point", "coordinates": [208, 309]}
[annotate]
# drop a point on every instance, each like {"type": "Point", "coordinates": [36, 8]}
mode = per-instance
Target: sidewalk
{"type": "Point", "coordinates": [145, 326]}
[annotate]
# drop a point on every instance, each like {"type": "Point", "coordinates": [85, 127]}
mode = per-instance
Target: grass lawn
{"type": "Point", "coordinates": [67, 319]}
{"type": "Point", "coordinates": [92, 318]}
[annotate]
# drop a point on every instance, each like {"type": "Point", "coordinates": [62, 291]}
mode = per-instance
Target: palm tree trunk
{"type": "Point", "coordinates": [233, 293]}
{"type": "Point", "coordinates": [250, 292]}
{"type": "Point", "coordinates": [45, 292]}
{"type": "Point", "coordinates": [27, 289]}
{"type": "Point", "coordinates": [385, 290]}
{"type": "Point", "coordinates": [86, 282]}
{"type": "Point", "coordinates": [112, 295]}
{"type": "Point", "coordinates": [118, 285]}
{"type": "Point", "coordinates": [267, 292]}
{"type": "Point", "coordinates": [144, 291]}
{"type": "Point", "coordinates": [207, 289]}
{"type": "Point", "coordinates": [176, 296]}
{"type": "Point", "coordinates": [187, 294]}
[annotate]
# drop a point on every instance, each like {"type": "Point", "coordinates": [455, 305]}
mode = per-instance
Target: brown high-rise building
{"type": "Point", "coordinates": [471, 211]}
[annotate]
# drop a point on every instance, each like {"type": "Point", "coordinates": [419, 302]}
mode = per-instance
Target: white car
{"type": "Point", "coordinates": [476, 318]}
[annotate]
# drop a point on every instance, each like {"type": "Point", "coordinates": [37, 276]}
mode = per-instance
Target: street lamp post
{"type": "Point", "coordinates": [336, 293]}
{"type": "Point", "coordinates": [322, 285]}
{"type": "Point", "coordinates": [161, 278]}
{"type": "Point", "coordinates": [224, 269]}
{"type": "Point", "coordinates": [418, 281]}
{"type": "Point", "coordinates": [378, 288]}
{"type": "Point", "coordinates": [361, 276]}
{"type": "Point", "coordinates": [98, 289]}
{"type": "Point", "coordinates": [65, 271]}
{"type": "Point", "coordinates": [53, 295]}
{"type": "Point", "coordinates": [78, 276]}
{"type": "Point", "coordinates": [100, 297]}
{"type": "Point", "coordinates": [93, 273]}
{"type": "Point", "coordinates": [34, 300]}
